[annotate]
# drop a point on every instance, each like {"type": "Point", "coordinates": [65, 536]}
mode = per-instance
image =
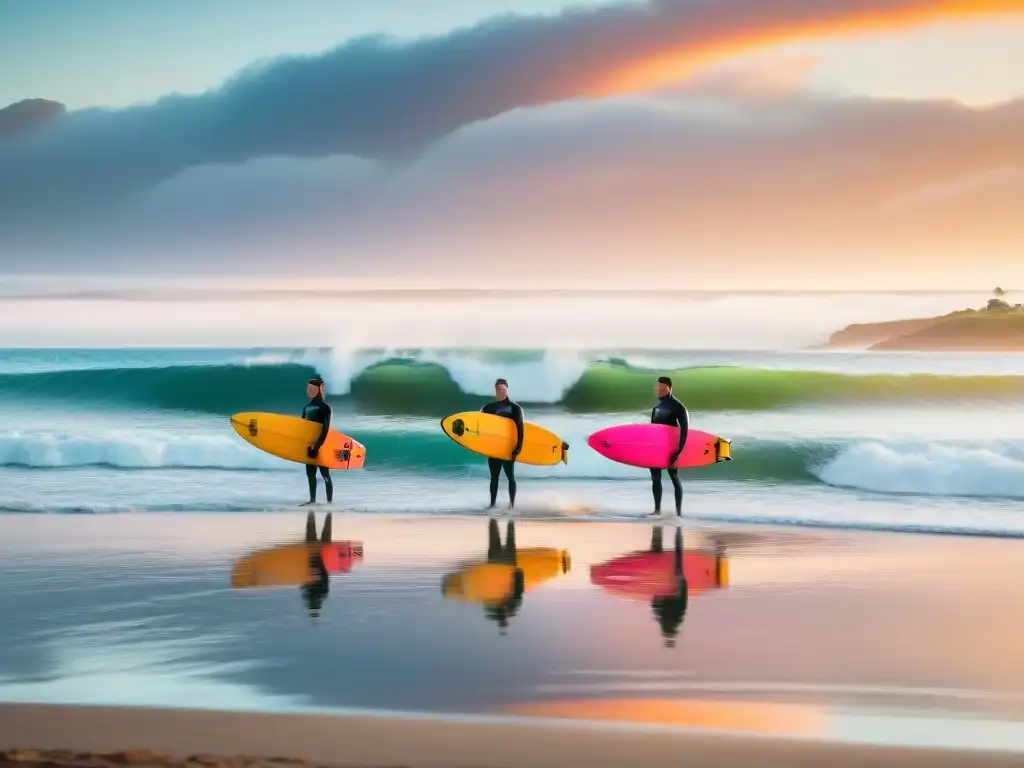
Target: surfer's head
{"type": "Point", "coordinates": [315, 386]}
{"type": "Point", "coordinates": [500, 389]}
{"type": "Point", "coordinates": [663, 387]}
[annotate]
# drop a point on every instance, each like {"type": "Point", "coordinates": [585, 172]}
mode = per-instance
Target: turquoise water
{"type": "Point", "coordinates": [920, 442]}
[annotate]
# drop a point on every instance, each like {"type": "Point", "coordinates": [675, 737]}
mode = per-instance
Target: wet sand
{"type": "Point", "coordinates": [796, 639]}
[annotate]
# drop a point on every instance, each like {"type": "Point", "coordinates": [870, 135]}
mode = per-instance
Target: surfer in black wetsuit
{"type": "Point", "coordinates": [670, 412]}
{"type": "Point", "coordinates": [319, 411]}
{"type": "Point", "coordinates": [502, 406]}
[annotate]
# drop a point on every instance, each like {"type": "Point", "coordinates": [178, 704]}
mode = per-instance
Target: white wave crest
{"type": "Point", "coordinates": [126, 450]}
{"type": "Point", "coordinates": [927, 470]}
{"type": "Point", "coordinates": [540, 379]}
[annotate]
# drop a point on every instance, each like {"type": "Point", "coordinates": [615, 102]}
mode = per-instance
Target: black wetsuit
{"type": "Point", "coordinates": [670, 412]}
{"type": "Point", "coordinates": [513, 411]}
{"type": "Point", "coordinates": [319, 411]}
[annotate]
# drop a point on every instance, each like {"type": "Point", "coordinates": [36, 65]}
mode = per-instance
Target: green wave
{"type": "Point", "coordinates": [410, 388]}
{"type": "Point", "coordinates": [614, 387]}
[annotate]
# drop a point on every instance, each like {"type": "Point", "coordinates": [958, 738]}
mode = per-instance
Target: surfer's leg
{"type": "Point", "coordinates": [494, 465]}
{"type": "Point", "coordinates": [673, 475]}
{"type": "Point", "coordinates": [311, 481]}
{"type": "Point", "coordinates": [656, 489]}
{"type": "Point", "coordinates": [510, 475]}
{"type": "Point", "coordinates": [325, 473]}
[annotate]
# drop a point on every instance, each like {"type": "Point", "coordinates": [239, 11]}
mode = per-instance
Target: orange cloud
{"type": "Point", "coordinates": [805, 22]}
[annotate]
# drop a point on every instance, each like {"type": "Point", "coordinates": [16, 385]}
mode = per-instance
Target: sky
{"type": "Point", "coordinates": [797, 143]}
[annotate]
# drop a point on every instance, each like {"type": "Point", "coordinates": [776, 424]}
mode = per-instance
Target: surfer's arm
{"type": "Point", "coordinates": [684, 425]}
{"type": "Point", "coordinates": [519, 429]}
{"type": "Point", "coordinates": [325, 427]}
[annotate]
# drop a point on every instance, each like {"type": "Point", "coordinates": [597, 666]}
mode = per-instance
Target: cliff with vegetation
{"type": "Point", "coordinates": [996, 327]}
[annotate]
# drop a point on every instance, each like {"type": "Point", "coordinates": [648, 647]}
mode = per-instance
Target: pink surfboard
{"type": "Point", "coordinates": [651, 446]}
{"type": "Point", "coordinates": [341, 556]}
{"type": "Point", "coordinates": [653, 574]}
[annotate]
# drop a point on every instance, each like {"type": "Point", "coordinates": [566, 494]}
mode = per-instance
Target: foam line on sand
{"type": "Point", "coordinates": [416, 742]}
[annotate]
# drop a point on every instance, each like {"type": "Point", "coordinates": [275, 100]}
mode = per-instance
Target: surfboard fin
{"type": "Point", "coordinates": [565, 453]}
{"type": "Point", "coordinates": [723, 449]}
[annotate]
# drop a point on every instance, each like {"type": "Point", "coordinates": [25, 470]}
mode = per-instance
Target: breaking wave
{"type": "Point", "coordinates": [974, 470]}
{"type": "Point", "coordinates": [420, 385]}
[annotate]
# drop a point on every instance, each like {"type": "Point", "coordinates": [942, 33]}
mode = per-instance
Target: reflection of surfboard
{"type": "Point", "coordinates": [651, 446]}
{"type": "Point", "coordinates": [289, 564]}
{"type": "Point", "coordinates": [288, 437]}
{"type": "Point", "coordinates": [491, 583]}
{"type": "Point", "coordinates": [540, 564]}
{"type": "Point", "coordinates": [495, 437]}
{"type": "Point", "coordinates": [653, 574]}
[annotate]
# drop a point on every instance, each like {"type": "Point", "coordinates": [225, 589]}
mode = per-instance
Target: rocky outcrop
{"type": "Point", "coordinates": [997, 327]}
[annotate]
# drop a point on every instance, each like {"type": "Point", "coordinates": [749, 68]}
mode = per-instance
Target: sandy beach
{"type": "Point", "coordinates": [104, 737]}
{"type": "Point", "coordinates": [414, 651]}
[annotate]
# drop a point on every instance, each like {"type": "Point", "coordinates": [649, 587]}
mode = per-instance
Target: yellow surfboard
{"type": "Point", "coordinates": [289, 564]}
{"type": "Point", "coordinates": [495, 437]}
{"type": "Point", "coordinates": [288, 437]}
{"type": "Point", "coordinates": [490, 583]}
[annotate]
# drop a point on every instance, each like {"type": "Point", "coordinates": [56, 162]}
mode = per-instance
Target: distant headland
{"type": "Point", "coordinates": [996, 327]}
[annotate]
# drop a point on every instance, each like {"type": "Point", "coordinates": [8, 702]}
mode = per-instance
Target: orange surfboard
{"type": "Point", "coordinates": [289, 437]}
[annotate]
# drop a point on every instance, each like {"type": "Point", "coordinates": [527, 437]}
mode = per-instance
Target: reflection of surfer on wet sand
{"type": "Point", "coordinates": [315, 591]}
{"type": "Point", "coordinates": [505, 609]}
{"type": "Point", "coordinates": [670, 610]}
{"type": "Point", "coordinates": [499, 582]}
{"type": "Point", "coordinates": [307, 565]}
{"type": "Point", "coordinates": [666, 578]}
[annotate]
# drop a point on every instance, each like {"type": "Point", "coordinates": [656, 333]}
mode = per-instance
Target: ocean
{"type": "Point", "coordinates": [120, 403]}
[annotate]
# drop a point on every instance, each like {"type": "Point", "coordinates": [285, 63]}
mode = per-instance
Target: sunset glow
{"type": "Point", "coordinates": [732, 716]}
{"type": "Point", "coordinates": [674, 66]}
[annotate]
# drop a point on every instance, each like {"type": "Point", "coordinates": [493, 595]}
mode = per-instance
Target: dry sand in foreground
{"type": "Point", "coordinates": [92, 736]}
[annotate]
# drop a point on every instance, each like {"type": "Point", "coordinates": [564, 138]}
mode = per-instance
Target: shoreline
{"type": "Point", "coordinates": [220, 738]}
{"type": "Point", "coordinates": [698, 521]}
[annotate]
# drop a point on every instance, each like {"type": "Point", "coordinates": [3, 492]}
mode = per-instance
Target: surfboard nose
{"type": "Point", "coordinates": [600, 441]}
